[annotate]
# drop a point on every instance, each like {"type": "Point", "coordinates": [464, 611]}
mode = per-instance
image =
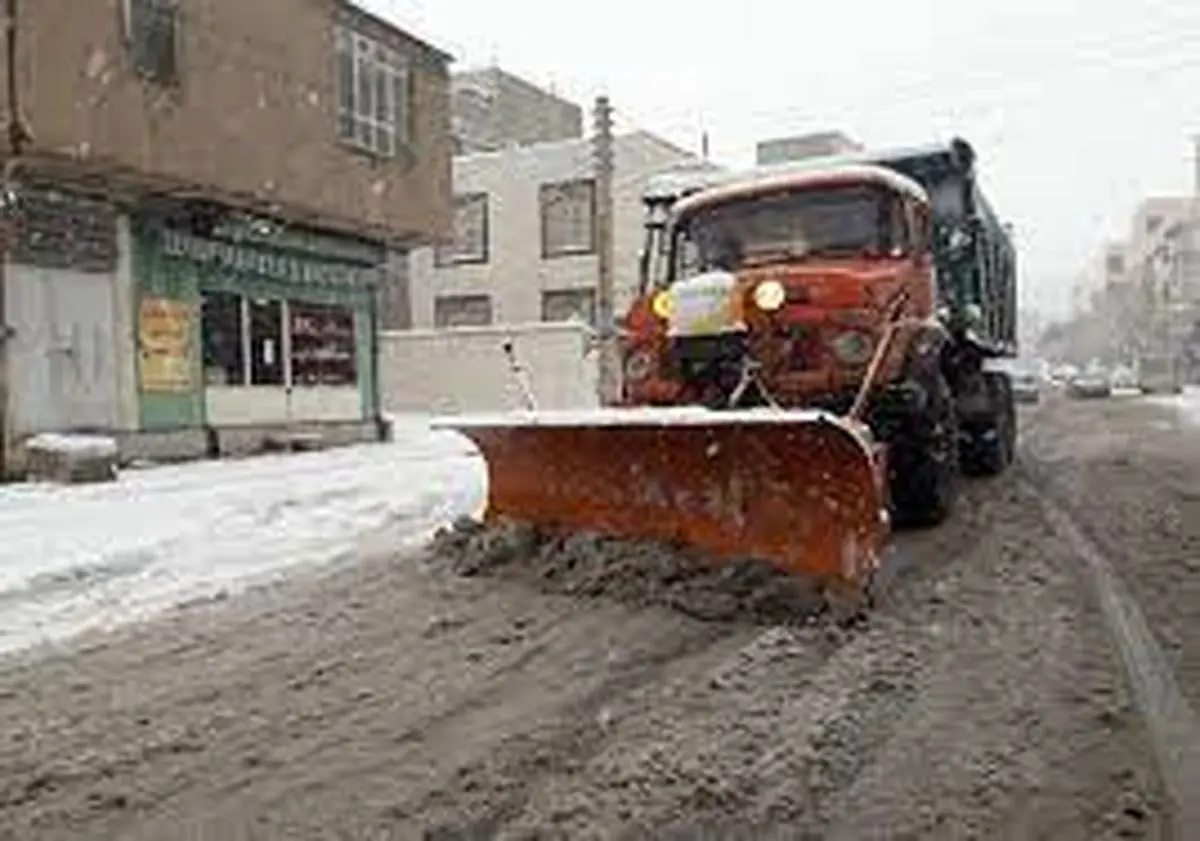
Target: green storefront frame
{"type": "Point", "coordinates": [180, 267]}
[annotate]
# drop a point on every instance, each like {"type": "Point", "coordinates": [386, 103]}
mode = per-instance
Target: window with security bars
{"type": "Point", "coordinates": [374, 94]}
{"type": "Point", "coordinates": [462, 311]}
{"type": "Point", "coordinates": [568, 218]}
{"type": "Point", "coordinates": [569, 305]}
{"type": "Point", "coordinates": [152, 37]}
{"type": "Point", "coordinates": [470, 242]}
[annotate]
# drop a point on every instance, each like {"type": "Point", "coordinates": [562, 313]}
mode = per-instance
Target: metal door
{"type": "Point", "coordinates": [64, 356]}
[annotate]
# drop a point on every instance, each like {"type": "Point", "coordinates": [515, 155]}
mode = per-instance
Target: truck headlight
{"type": "Point", "coordinates": [769, 295]}
{"type": "Point", "coordinates": [662, 305]}
{"type": "Point", "coordinates": [852, 347]}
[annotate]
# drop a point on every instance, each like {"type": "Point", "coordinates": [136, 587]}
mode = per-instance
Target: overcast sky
{"type": "Point", "coordinates": [1077, 109]}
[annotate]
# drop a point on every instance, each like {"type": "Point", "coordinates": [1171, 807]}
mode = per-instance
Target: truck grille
{"type": "Point", "coordinates": [702, 358]}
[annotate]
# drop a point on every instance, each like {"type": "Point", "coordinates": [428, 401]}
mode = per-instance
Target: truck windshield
{"type": "Point", "coordinates": [842, 221]}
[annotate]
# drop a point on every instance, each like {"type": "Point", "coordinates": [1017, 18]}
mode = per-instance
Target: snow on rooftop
{"type": "Point", "coordinates": [801, 179]}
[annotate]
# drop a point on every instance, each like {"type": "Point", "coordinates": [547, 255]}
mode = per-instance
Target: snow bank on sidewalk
{"type": "Point", "coordinates": [1186, 404]}
{"type": "Point", "coordinates": [84, 446]}
{"type": "Point", "coordinates": [74, 558]}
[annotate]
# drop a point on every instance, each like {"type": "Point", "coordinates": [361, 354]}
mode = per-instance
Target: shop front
{"type": "Point", "coordinates": [254, 332]}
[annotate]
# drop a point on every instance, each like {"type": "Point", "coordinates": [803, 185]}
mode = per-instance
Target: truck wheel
{"type": "Point", "coordinates": [991, 444]}
{"type": "Point", "coordinates": [923, 471]}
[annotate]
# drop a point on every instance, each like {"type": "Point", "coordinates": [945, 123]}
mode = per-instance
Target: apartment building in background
{"type": "Point", "coordinates": [798, 147]}
{"type": "Point", "coordinates": [1109, 266]}
{"type": "Point", "coordinates": [524, 248]}
{"type": "Point", "coordinates": [493, 109]}
{"type": "Point", "coordinates": [215, 206]}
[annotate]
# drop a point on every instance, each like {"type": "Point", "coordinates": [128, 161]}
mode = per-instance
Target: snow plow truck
{"type": "Point", "coordinates": [810, 357]}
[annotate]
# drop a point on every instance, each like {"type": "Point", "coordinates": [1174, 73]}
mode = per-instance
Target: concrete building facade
{"type": "Point", "coordinates": [208, 212]}
{"type": "Point", "coordinates": [524, 247]}
{"type": "Point", "coordinates": [493, 109]}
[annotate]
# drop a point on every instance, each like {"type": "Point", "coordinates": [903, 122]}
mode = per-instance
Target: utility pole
{"type": "Point", "coordinates": [1195, 168]}
{"type": "Point", "coordinates": [609, 379]}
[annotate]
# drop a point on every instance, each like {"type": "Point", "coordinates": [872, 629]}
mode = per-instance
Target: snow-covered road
{"type": "Point", "coordinates": [84, 557]}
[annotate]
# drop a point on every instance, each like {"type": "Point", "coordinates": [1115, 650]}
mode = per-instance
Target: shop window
{"type": "Point", "coordinates": [221, 337]}
{"type": "Point", "coordinates": [462, 311]}
{"type": "Point", "coordinates": [568, 218]}
{"type": "Point", "coordinates": [323, 347]}
{"type": "Point", "coordinates": [266, 341]}
{"type": "Point", "coordinates": [569, 305]}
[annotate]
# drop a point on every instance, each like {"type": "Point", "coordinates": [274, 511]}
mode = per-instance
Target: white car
{"type": "Point", "coordinates": [1088, 384]}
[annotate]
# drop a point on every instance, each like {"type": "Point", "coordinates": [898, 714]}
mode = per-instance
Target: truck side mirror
{"type": "Point", "coordinates": [958, 242]}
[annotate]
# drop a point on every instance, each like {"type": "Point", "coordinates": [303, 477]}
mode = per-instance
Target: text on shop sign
{"type": "Point", "coordinates": [263, 263]}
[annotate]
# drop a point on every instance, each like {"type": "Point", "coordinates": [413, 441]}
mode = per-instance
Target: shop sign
{"type": "Point", "coordinates": [165, 342]}
{"type": "Point", "coordinates": [270, 264]}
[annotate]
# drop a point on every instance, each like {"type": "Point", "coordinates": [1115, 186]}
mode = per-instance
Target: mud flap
{"type": "Point", "coordinates": [803, 491]}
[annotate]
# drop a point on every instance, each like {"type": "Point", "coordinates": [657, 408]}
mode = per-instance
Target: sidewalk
{"type": "Point", "coordinates": [86, 557]}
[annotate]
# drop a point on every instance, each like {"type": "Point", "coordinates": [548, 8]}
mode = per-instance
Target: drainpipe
{"type": "Point", "coordinates": [18, 132]}
{"type": "Point", "coordinates": [18, 137]}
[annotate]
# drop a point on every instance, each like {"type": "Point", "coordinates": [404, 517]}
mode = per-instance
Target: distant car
{"type": "Point", "coordinates": [1124, 377]}
{"type": "Point", "coordinates": [1089, 384]}
{"type": "Point", "coordinates": [1061, 375]}
{"type": "Point", "coordinates": [1026, 387]}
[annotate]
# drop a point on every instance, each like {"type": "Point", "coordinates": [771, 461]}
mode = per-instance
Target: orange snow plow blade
{"type": "Point", "coordinates": [800, 490]}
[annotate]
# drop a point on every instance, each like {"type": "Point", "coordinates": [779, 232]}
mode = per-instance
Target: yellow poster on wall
{"type": "Point", "coordinates": [165, 340]}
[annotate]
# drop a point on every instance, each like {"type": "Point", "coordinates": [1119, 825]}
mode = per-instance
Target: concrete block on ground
{"type": "Point", "coordinates": [71, 459]}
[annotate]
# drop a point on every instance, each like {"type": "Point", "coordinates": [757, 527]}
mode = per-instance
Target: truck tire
{"type": "Point", "coordinates": [923, 473]}
{"type": "Point", "coordinates": [990, 445]}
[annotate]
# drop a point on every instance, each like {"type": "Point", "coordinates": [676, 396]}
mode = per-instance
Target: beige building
{"type": "Point", "coordinates": [1152, 220]}
{"type": "Point", "coordinates": [524, 247]}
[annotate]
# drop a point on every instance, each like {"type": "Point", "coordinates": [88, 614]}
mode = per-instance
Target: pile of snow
{"type": "Point", "coordinates": [1187, 404]}
{"type": "Point", "coordinates": [71, 458]}
{"type": "Point", "coordinates": [85, 446]}
{"type": "Point", "coordinates": [80, 557]}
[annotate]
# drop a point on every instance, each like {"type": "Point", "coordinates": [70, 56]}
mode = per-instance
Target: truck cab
{"type": "Point", "coordinates": [800, 272]}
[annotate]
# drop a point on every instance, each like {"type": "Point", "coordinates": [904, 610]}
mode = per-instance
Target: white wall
{"type": "Point", "coordinates": [465, 369]}
{"type": "Point", "coordinates": [271, 405]}
{"type": "Point", "coordinates": [516, 274]}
